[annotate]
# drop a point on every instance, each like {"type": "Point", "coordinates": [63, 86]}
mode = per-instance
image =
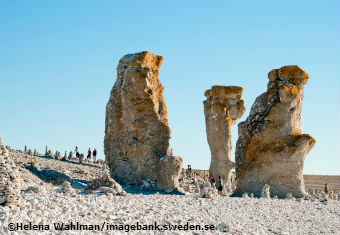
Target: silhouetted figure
{"type": "Point", "coordinates": [220, 186]}
{"type": "Point", "coordinates": [77, 152]}
{"type": "Point", "coordinates": [94, 154]}
{"type": "Point", "coordinates": [326, 188]}
{"type": "Point", "coordinates": [88, 155]}
{"type": "Point", "coordinates": [212, 181]}
{"type": "Point", "coordinates": [189, 171]}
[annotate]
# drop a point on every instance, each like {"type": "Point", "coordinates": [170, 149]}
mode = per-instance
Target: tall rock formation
{"type": "Point", "coordinates": [222, 108]}
{"type": "Point", "coordinates": [271, 149]}
{"type": "Point", "coordinates": [136, 126]}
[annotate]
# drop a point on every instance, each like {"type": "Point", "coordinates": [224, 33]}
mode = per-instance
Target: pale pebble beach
{"type": "Point", "coordinates": [228, 215]}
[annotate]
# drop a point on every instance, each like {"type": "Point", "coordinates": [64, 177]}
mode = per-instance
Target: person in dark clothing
{"type": "Point", "coordinates": [212, 180]}
{"type": "Point", "coordinates": [189, 168]}
{"type": "Point", "coordinates": [326, 188]}
{"type": "Point", "coordinates": [220, 186]}
{"type": "Point", "coordinates": [89, 155]}
{"type": "Point", "coordinates": [77, 152]}
{"type": "Point", "coordinates": [94, 154]}
{"type": "Point", "coordinates": [189, 171]}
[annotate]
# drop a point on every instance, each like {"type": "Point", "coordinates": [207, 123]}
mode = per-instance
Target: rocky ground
{"type": "Point", "coordinates": [45, 202]}
{"type": "Point", "coordinates": [44, 171]}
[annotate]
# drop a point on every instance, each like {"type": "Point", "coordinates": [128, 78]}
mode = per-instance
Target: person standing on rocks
{"type": "Point", "coordinates": [94, 154]}
{"type": "Point", "coordinates": [212, 181]}
{"type": "Point", "coordinates": [326, 188]}
{"type": "Point", "coordinates": [77, 151]}
{"type": "Point", "coordinates": [88, 158]}
{"type": "Point", "coordinates": [189, 170]}
{"type": "Point", "coordinates": [220, 186]}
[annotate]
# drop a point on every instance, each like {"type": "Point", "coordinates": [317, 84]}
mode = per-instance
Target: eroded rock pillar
{"type": "Point", "coordinates": [222, 108]}
{"type": "Point", "coordinates": [271, 148]}
{"type": "Point", "coordinates": [136, 126]}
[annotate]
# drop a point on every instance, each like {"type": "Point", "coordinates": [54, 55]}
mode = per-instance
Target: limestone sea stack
{"type": "Point", "coordinates": [222, 108]}
{"type": "Point", "coordinates": [137, 132]}
{"type": "Point", "coordinates": [271, 149]}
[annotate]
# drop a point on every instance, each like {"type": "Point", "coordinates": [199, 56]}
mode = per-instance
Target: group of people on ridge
{"type": "Point", "coordinates": [89, 154]}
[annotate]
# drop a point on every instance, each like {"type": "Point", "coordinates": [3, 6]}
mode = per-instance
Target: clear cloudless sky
{"type": "Point", "coordinates": [58, 64]}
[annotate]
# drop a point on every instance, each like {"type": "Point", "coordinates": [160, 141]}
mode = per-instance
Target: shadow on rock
{"type": "Point", "coordinates": [148, 190]}
{"type": "Point", "coordinates": [69, 161]}
{"type": "Point", "coordinates": [56, 177]}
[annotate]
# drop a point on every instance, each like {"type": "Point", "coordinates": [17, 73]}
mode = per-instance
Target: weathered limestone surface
{"type": "Point", "coordinates": [66, 187]}
{"type": "Point", "coordinates": [136, 126]}
{"type": "Point", "coordinates": [222, 108]}
{"type": "Point", "coordinates": [168, 171]}
{"type": "Point", "coordinates": [265, 191]}
{"type": "Point", "coordinates": [105, 185]}
{"type": "Point", "coordinates": [10, 181]}
{"type": "Point", "coordinates": [271, 149]}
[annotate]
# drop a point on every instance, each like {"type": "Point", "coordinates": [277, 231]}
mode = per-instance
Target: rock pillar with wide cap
{"type": "Point", "coordinates": [222, 108]}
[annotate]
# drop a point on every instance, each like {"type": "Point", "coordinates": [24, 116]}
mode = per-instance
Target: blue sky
{"type": "Point", "coordinates": [58, 64]}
